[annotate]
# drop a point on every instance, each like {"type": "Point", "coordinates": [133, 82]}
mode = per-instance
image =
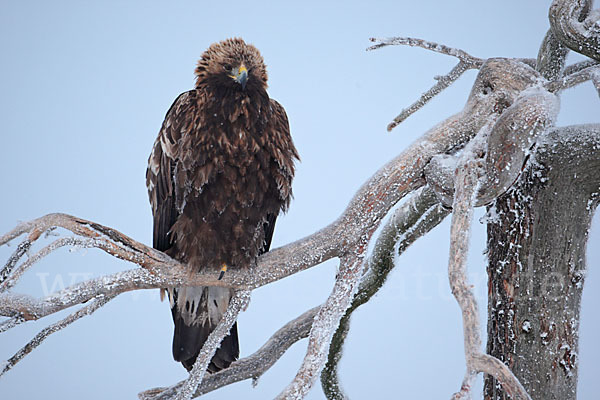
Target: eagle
{"type": "Point", "coordinates": [219, 174]}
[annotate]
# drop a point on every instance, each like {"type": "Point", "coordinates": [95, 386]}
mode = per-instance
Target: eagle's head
{"type": "Point", "coordinates": [232, 64]}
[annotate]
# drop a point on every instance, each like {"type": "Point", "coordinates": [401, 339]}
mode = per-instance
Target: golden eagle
{"type": "Point", "coordinates": [219, 174]}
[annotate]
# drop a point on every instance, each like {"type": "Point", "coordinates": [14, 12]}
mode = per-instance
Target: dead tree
{"type": "Point", "coordinates": [539, 182]}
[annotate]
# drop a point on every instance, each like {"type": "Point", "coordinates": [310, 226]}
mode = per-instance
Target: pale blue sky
{"type": "Point", "coordinates": [84, 89]}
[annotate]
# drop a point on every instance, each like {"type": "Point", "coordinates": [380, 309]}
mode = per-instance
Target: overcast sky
{"type": "Point", "coordinates": [84, 89]}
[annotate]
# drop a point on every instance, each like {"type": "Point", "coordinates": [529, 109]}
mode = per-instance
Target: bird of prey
{"type": "Point", "coordinates": [219, 174]}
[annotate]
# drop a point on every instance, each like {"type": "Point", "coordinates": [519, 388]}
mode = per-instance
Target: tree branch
{"type": "Point", "coordinates": [505, 146]}
{"type": "Point", "coordinates": [325, 323]}
{"type": "Point", "coordinates": [574, 79]}
{"type": "Point", "coordinates": [442, 83]}
{"type": "Point", "coordinates": [551, 57]}
{"type": "Point", "coordinates": [432, 46]}
{"type": "Point", "coordinates": [466, 62]}
{"type": "Point", "coordinates": [252, 366]}
{"type": "Point", "coordinates": [40, 337]}
{"type": "Point", "coordinates": [467, 186]}
{"type": "Point", "coordinates": [417, 216]}
{"type": "Point", "coordinates": [576, 27]}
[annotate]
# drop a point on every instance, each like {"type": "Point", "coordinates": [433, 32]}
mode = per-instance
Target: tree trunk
{"type": "Point", "coordinates": [537, 237]}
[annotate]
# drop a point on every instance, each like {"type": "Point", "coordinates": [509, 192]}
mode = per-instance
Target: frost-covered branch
{"type": "Point", "coordinates": [504, 146]}
{"type": "Point", "coordinates": [466, 62]}
{"type": "Point", "coordinates": [551, 57]}
{"type": "Point", "coordinates": [442, 83]}
{"type": "Point", "coordinates": [11, 322]}
{"type": "Point", "coordinates": [574, 79]}
{"type": "Point", "coordinates": [92, 306]}
{"type": "Point", "coordinates": [596, 80]}
{"type": "Point", "coordinates": [438, 48]}
{"type": "Point", "coordinates": [251, 367]}
{"type": "Point", "coordinates": [417, 216]}
{"type": "Point", "coordinates": [21, 249]}
{"type": "Point", "coordinates": [576, 26]}
{"type": "Point", "coordinates": [573, 68]}
{"type": "Point", "coordinates": [325, 324]}
{"type": "Point", "coordinates": [238, 302]}
{"type": "Point", "coordinates": [467, 185]}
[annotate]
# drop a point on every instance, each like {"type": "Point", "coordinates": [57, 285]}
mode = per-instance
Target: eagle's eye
{"type": "Point", "coordinates": [228, 67]}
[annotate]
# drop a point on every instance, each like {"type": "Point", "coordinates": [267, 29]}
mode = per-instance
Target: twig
{"type": "Point", "coordinates": [417, 216]}
{"type": "Point", "coordinates": [438, 48]}
{"type": "Point", "coordinates": [12, 322]}
{"type": "Point", "coordinates": [40, 337]}
{"type": "Point", "coordinates": [252, 366]}
{"type": "Point", "coordinates": [466, 62]}
{"type": "Point", "coordinates": [238, 302]}
{"type": "Point", "coordinates": [442, 83]}
{"type": "Point", "coordinates": [21, 249]}
{"type": "Point", "coordinates": [20, 270]}
{"type": "Point", "coordinates": [573, 68]}
{"type": "Point", "coordinates": [574, 79]}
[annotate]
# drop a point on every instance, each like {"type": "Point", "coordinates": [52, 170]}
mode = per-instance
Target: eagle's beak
{"type": "Point", "coordinates": [242, 76]}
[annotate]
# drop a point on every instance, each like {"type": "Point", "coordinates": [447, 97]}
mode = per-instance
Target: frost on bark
{"type": "Point", "coordinates": [537, 236]}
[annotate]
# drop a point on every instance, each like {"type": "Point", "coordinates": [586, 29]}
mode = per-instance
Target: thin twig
{"type": "Point", "coordinates": [438, 48]}
{"type": "Point", "coordinates": [20, 270]}
{"type": "Point", "coordinates": [467, 62]}
{"type": "Point", "coordinates": [12, 322]}
{"type": "Point", "coordinates": [40, 337]}
{"type": "Point", "coordinates": [238, 302]}
{"type": "Point", "coordinates": [573, 68]}
{"type": "Point", "coordinates": [574, 79]}
{"type": "Point", "coordinates": [442, 83]}
{"type": "Point", "coordinates": [21, 249]}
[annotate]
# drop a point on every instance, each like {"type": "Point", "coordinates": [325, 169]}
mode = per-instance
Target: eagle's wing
{"type": "Point", "coordinates": [284, 163]}
{"type": "Point", "coordinates": [269, 227]}
{"type": "Point", "coordinates": [285, 155]}
{"type": "Point", "coordinates": [162, 164]}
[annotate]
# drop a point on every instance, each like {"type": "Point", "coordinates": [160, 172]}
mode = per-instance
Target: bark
{"type": "Point", "coordinates": [537, 237]}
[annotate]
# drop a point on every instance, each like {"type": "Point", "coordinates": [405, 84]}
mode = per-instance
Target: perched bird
{"type": "Point", "coordinates": [219, 174]}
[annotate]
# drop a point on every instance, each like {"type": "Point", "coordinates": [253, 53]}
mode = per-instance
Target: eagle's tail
{"type": "Point", "coordinates": [196, 312]}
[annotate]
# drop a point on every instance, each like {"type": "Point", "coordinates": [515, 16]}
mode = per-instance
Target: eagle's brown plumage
{"type": "Point", "coordinates": [219, 174]}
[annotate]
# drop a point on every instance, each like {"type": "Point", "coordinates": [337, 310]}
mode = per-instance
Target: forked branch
{"type": "Point", "coordinates": [466, 62]}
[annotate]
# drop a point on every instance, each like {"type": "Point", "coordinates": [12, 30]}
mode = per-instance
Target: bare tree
{"type": "Point", "coordinates": [539, 182]}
